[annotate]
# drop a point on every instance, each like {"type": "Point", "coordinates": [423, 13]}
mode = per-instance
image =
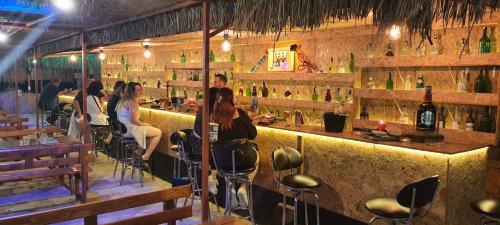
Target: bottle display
{"type": "Point", "coordinates": [264, 90]}
{"type": "Point", "coordinates": [486, 121]}
{"type": "Point", "coordinates": [183, 57]}
{"type": "Point", "coordinates": [469, 122]}
{"type": "Point", "coordinates": [363, 115]}
{"type": "Point", "coordinates": [406, 49]}
{"type": "Point", "coordinates": [426, 113]}
{"type": "Point", "coordinates": [352, 67]}
{"type": "Point", "coordinates": [407, 84]}
{"type": "Point", "coordinates": [371, 83]}
{"type": "Point", "coordinates": [288, 93]}
{"type": "Point", "coordinates": [462, 84]}
{"type": "Point", "coordinates": [420, 82]}
{"type": "Point", "coordinates": [404, 118]}
{"type": "Point", "coordinates": [314, 95]}
{"type": "Point", "coordinates": [328, 95]}
{"type": "Point", "coordinates": [389, 52]}
{"type": "Point", "coordinates": [442, 118]}
{"type": "Point", "coordinates": [389, 84]}
{"type": "Point", "coordinates": [484, 42]}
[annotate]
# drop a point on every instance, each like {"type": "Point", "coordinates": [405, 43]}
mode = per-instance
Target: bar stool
{"type": "Point", "coordinates": [181, 140]}
{"type": "Point", "coordinates": [96, 133]}
{"type": "Point", "coordinates": [488, 209]}
{"type": "Point", "coordinates": [287, 158]}
{"type": "Point", "coordinates": [409, 203]}
{"type": "Point", "coordinates": [235, 175]}
{"type": "Point", "coordinates": [127, 148]}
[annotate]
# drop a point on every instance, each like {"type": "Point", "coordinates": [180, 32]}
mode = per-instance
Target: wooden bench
{"type": "Point", "coordinates": [65, 158]}
{"type": "Point", "coordinates": [13, 134]}
{"type": "Point", "coordinates": [228, 220]}
{"type": "Point", "coordinates": [89, 211]}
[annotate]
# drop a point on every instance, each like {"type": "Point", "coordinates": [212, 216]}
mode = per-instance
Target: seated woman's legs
{"type": "Point", "coordinates": [154, 135]}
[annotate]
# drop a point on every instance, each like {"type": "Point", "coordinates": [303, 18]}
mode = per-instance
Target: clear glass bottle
{"type": "Point", "coordinates": [426, 113]}
{"type": "Point", "coordinates": [274, 95]}
{"type": "Point", "coordinates": [463, 45]}
{"type": "Point", "coordinates": [422, 49]}
{"type": "Point", "coordinates": [298, 96]}
{"type": "Point", "coordinates": [404, 118]}
{"type": "Point", "coordinates": [390, 51]}
{"type": "Point", "coordinates": [462, 84]}
{"type": "Point", "coordinates": [371, 83]}
{"type": "Point", "coordinates": [369, 51]}
{"type": "Point", "coordinates": [407, 84]}
{"type": "Point", "coordinates": [469, 123]}
{"type": "Point", "coordinates": [364, 114]}
{"type": "Point", "coordinates": [455, 124]}
{"type": "Point", "coordinates": [436, 48]}
{"type": "Point", "coordinates": [341, 64]}
{"type": "Point", "coordinates": [406, 49]}
{"type": "Point", "coordinates": [442, 118]}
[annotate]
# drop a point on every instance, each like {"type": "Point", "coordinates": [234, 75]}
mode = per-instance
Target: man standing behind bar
{"type": "Point", "coordinates": [48, 100]}
{"type": "Point", "coordinates": [220, 80]}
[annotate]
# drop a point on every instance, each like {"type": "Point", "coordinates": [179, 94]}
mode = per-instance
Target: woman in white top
{"type": "Point", "coordinates": [95, 107]}
{"type": "Point", "coordinates": [127, 112]}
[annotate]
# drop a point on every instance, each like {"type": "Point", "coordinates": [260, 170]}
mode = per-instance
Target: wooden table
{"type": "Point", "coordinates": [22, 159]}
{"type": "Point", "coordinates": [3, 113]}
{"type": "Point", "coordinates": [8, 123]}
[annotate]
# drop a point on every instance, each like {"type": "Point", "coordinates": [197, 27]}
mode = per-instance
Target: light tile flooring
{"type": "Point", "coordinates": [17, 198]}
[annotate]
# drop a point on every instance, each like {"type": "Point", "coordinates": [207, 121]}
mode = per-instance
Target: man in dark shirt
{"type": "Point", "coordinates": [48, 100]}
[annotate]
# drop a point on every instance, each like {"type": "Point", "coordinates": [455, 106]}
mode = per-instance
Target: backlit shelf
{"type": "Point", "coordinates": [486, 59]}
{"type": "Point", "coordinates": [328, 106]}
{"type": "Point", "coordinates": [290, 76]}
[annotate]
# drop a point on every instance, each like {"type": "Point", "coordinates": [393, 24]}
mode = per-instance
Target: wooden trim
{"type": "Point", "coordinates": [199, 66]}
{"type": "Point", "coordinates": [38, 164]}
{"type": "Point", "coordinates": [159, 217]}
{"type": "Point", "coordinates": [297, 103]}
{"type": "Point", "coordinates": [88, 210]}
{"type": "Point", "coordinates": [486, 59]}
{"type": "Point", "coordinates": [20, 133]}
{"type": "Point", "coordinates": [311, 77]}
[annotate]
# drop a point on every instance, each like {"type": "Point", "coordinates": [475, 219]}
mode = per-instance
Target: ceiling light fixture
{"type": "Point", "coordinates": [226, 45]}
{"type": "Point", "coordinates": [102, 56]}
{"type": "Point", "coordinates": [72, 58]}
{"type": "Point", "coordinates": [64, 5]}
{"type": "Point", "coordinates": [3, 37]}
{"type": "Point", "coordinates": [395, 33]}
{"type": "Point", "coordinates": [147, 52]}
{"type": "Point", "coordinates": [34, 61]}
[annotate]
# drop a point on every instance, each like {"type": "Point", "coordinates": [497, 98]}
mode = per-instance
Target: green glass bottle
{"type": "Point", "coordinates": [352, 67]}
{"type": "Point", "coordinates": [484, 42]}
{"type": "Point", "coordinates": [420, 82]}
{"type": "Point", "coordinates": [122, 60]}
{"type": "Point", "coordinates": [248, 91]}
{"type": "Point", "coordinates": [211, 56]}
{"type": "Point", "coordinates": [338, 97]}
{"type": "Point", "coordinates": [487, 81]}
{"type": "Point", "coordinates": [173, 92]}
{"type": "Point", "coordinates": [144, 68]}
{"type": "Point", "coordinates": [481, 84]}
{"type": "Point", "coordinates": [198, 95]}
{"type": "Point", "coordinates": [174, 76]}
{"type": "Point", "coordinates": [127, 67]}
{"type": "Point", "coordinates": [486, 122]}
{"type": "Point", "coordinates": [232, 58]}
{"type": "Point", "coordinates": [389, 84]}
{"type": "Point", "coordinates": [183, 57]}
{"type": "Point", "coordinates": [315, 95]}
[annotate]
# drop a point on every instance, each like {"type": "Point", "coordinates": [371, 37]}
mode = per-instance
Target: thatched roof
{"type": "Point", "coordinates": [260, 16]}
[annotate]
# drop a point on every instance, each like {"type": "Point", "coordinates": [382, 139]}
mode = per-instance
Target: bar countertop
{"type": "Point", "coordinates": [443, 148]}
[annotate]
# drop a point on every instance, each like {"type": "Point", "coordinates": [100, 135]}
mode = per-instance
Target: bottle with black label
{"type": "Point", "coordinates": [265, 90]}
{"type": "Point", "coordinates": [426, 113]}
{"type": "Point", "coordinates": [469, 123]}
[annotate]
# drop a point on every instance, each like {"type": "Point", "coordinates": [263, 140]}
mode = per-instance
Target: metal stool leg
{"type": "Point", "coordinates": [229, 197]}
{"type": "Point", "coordinates": [317, 208]}
{"type": "Point", "coordinates": [124, 166]}
{"type": "Point", "coordinates": [295, 206]}
{"type": "Point", "coordinates": [283, 217]}
{"type": "Point", "coordinates": [250, 201]}
{"type": "Point", "coordinates": [373, 219]}
{"type": "Point", "coordinates": [305, 206]}
{"type": "Point", "coordinates": [118, 149]}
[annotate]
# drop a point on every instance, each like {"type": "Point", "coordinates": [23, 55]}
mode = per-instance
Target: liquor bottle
{"type": "Point", "coordinates": [144, 83]}
{"type": "Point", "coordinates": [198, 95]}
{"type": "Point", "coordinates": [480, 86]}
{"type": "Point", "coordinates": [314, 95]}
{"type": "Point", "coordinates": [158, 83]}
{"type": "Point", "coordinates": [469, 123]}
{"type": "Point", "coordinates": [288, 93]}
{"type": "Point", "coordinates": [364, 114]}
{"type": "Point", "coordinates": [436, 48]}
{"type": "Point", "coordinates": [298, 96]}
{"type": "Point", "coordinates": [240, 91]}
{"type": "Point", "coordinates": [352, 67]}
{"type": "Point", "coordinates": [274, 95]}
{"type": "Point", "coordinates": [420, 82]}
{"type": "Point", "coordinates": [248, 91]}
{"type": "Point", "coordinates": [455, 124]}
{"type": "Point", "coordinates": [371, 83]}
{"type": "Point", "coordinates": [407, 84]}
{"type": "Point", "coordinates": [422, 49]}
{"type": "Point", "coordinates": [122, 60]}
{"type": "Point", "coordinates": [484, 42]}
{"type": "Point", "coordinates": [341, 64]}
{"type": "Point", "coordinates": [493, 40]}
{"type": "Point", "coordinates": [463, 45]}
{"type": "Point", "coordinates": [264, 90]}
{"type": "Point", "coordinates": [462, 84]}
{"type": "Point", "coordinates": [406, 49]}
{"type": "Point", "coordinates": [211, 56]}
{"type": "Point", "coordinates": [349, 96]}
{"type": "Point", "coordinates": [328, 95]}
{"type": "Point", "coordinates": [486, 121]}
{"type": "Point", "coordinates": [127, 67]}
{"type": "Point", "coordinates": [338, 96]}
{"type": "Point", "coordinates": [426, 113]}
{"type": "Point", "coordinates": [174, 76]}
{"type": "Point", "coordinates": [389, 84]}
{"type": "Point", "coordinates": [139, 80]}
{"type": "Point", "coordinates": [232, 57]}
{"type": "Point", "coordinates": [405, 118]}
{"type": "Point", "coordinates": [173, 93]}
{"type": "Point", "coordinates": [442, 118]}
{"type": "Point", "coordinates": [369, 51]}
{"type": "Point", "coordinates": [184, 91]}
{"type": "Point", "coordinates": [487, 81]}
{"type": "Point", "coordinates": [183, 57]}
{"type": "Point", "coordinates": [331, 67]}
{"type": "Point", "coordinates": [389, 52]}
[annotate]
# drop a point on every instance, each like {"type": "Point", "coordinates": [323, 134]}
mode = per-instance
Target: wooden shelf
{"type": "Point", "coordinates": [455, 136]}
{"type": "Point", "coordinates": [198, 66]}
{"type": "Point", "coordinates": [185, 83]}
{"type": "Point", "coordinates": [482, 99]}
{"type": "Point", "coordinates": [112, 66]}
{"type": "Point", "coordinates": [487, 59]}
{"type": "Point", "coordinates": [297, 103]}
{"type": "Point", "coordinates": [145, 73]}
{"type": "Point", "coordinates": [290, 76]}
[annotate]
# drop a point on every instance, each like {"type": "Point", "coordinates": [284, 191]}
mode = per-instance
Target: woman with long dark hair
{"type": "Point", "coordinates": [127, 112]}
{"type": "Point", "coordinates": [95, 108]}
{"type": "Point", "coordinates": [117, 94]}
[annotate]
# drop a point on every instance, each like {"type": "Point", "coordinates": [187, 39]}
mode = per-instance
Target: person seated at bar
{"type": "Point", "coordinates": [127, 112]}
{"type": "Point", "coordinates": [75, 124]}
{"type": "Point", "coordinates": [48, 100]}
{"type": "Point", "coordinates": [95, 109]}
{"type": "Point", "coordinates": [117, 94]}
{"type": "Point", "coordinates": [234, 124]}
{"type": "Point", "coordinates": [220, 80]}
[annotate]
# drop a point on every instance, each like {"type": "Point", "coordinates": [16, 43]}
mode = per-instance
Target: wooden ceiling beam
{"type": "Point", "coordinates": [52, 27]}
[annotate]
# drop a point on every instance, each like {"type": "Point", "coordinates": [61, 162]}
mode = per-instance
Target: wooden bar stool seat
{"type": "Point", "coordinates": [488, 208]}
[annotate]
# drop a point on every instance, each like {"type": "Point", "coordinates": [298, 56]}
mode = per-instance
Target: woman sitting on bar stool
{"type": "Point", "coordinates": [127, 112]}
{"type": "Point", "coordinates": [95, 109]}
{"type": "Point", "coordinates": [234, 124]}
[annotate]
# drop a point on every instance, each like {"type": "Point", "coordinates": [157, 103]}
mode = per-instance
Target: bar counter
{"type": "Point", "coordinates": [355, 169]}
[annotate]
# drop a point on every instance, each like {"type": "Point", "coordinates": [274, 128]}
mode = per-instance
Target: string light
{"type": "Point", "coordinates": [72, 58]}
{"type": "Point", "coordinates": [102, 56]}
{"type": "Point", "coordinates": [64, 5]}
{"type": "Point", "coordinates": [147, 52]}
{"type": "Point", "coordinates": [3, 37]}
{"type": "Point", "coordinates": [34, 61]}
{"type": "Point", "coordinates": [395, 32]}
{"type": "Point", "coordinates": [226, 45]}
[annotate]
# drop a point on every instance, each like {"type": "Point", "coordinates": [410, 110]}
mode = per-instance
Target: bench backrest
{"type": "Point", "coordinates": [89, 211]}
{"type": "Point", "coordinates": [27, 132]}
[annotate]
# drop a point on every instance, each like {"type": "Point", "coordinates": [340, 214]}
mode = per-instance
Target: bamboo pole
{"type": "Point", "coordinates": [84, 89]}
{"type": "Point", "coordinates": [205, 116]}
{"type": "Point", "coordinates": [37, 106]}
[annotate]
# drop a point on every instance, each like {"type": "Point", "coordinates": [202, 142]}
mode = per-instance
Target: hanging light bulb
{"type": "Point", "coordinates": [64, 5]}
{"type": "Point", "coordinates": [147, 52]}
{"type": "Point", "coordinates": [3, 37]}
{"type": "Point", "coordinates": [34, 61]}
{"type": "Point", "coordinates": [72, 58]}
{"type": "Point", "coordinates": [102, 56]}
{"type": "Point", "coordinates": [226, 45]}
{"type": "Point", "coordinates": [394, 33]}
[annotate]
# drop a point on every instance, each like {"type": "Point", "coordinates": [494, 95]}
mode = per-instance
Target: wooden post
{"type": "Point", "coordinates": [300, 148]}
{"type": "Point", "coordinates": [37, 107]}
{"type": "Point", "coordinates": [16, 109]}
{"type": "Point", "coordinates": [205, 12]}
{"type": "Point", "coordinates": [84, 89]}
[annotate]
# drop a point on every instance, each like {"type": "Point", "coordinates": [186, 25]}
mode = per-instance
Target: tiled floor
{"type": "Point", "coordinates": [18, 198]}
